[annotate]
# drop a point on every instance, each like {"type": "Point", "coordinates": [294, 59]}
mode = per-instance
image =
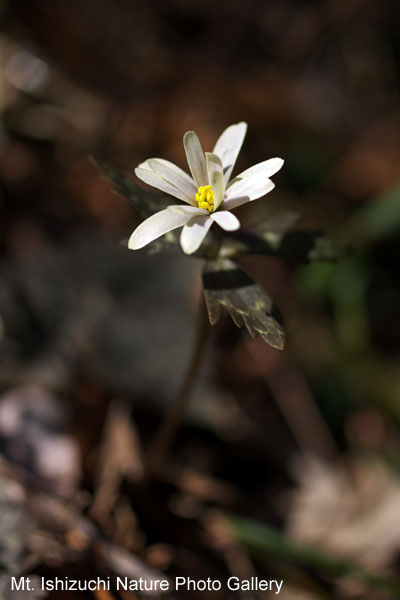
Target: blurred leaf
{"type": "Point", "coordinates": [315, 281]}
{"type": "Point", "coordinates": [144, 202]}
{"type": "Point", "coordinates": [263, 539]}
{"type": "Point", "coordinates": [345, 284]}
{"type": "Point", "coordinates": [227, 286]}
{"type": "Point", "coordinates": [382, 217]}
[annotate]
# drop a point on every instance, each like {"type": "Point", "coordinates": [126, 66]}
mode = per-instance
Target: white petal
{"type": "Point", "coordinates": [226, 220]}
{"type": "Point", "coordinates": [144, 165]}
{"type": "Point", "coordinates": [172, 166]}
{"type": "Point", "coordinates": [247, 189]}
{"type": "Point", "coordinates": [158, 182]}
{"type": "Point", "coordinates": [249, 186]}
{"type": "Point", "coordinates": [174, 175]}
{"type": "Point", "coordinates": [188, 210]}
{"type": "Point", "coordinates": [268, 167]}
{"type": "Point", "coordinates": [194, 233]}
{"type": "Point", "coordinates": [216, 177]}
{"type": "Point", "coordinates": [228, 146]}
{"type": "Point", "coordinates": [196, 159]}
{"type": "Point", "coordinates": [158, 224]}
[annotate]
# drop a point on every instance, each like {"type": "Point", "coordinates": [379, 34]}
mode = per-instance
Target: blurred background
{"type": "Point", "coordinates": [94, 340]}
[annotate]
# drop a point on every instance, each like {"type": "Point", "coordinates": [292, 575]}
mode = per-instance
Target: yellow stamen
{"type": "Point", "coordinates": [205, 198]}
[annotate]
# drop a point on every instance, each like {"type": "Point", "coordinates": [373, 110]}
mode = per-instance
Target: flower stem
{"type": "Point", "coordinates": [165, 435]}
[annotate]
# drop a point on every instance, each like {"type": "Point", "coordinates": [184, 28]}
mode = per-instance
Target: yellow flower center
{"type": "Point", "coordinates": [205, 197]}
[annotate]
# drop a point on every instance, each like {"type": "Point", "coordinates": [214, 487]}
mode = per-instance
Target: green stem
{"type": "Point", "coordinates": [165, 436]}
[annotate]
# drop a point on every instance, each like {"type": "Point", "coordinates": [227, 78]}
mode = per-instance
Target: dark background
{"type": "Point", "coordinates": [94, 339]}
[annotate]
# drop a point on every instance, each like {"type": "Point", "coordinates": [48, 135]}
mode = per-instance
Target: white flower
{"type": "Point", "coordinates": [209, 194]}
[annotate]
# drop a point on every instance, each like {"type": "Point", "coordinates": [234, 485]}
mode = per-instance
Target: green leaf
{"type": "Point", "coordinates": [144, 202]}
{"type": "Point", "coordinates": [381, 218]}
{"type": "Point", "coordinates": [226, 286]}
{"type": "Point", "coordinates": [263, 539]}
